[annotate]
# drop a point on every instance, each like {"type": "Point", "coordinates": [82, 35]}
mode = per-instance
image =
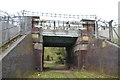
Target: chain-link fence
{"type": "Point", "coordinates": [7, 28]}
{"type": "Point", "coordinates": [12, 26]}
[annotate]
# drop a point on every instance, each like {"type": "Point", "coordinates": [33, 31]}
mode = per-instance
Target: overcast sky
{"type": "Point", "coordinates": [106, 9]}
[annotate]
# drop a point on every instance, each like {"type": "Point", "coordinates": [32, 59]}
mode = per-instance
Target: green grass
{"type": "Point", "coordinates": [88, 74]}
{"type": "Point", "coordinates": [47, 74]}
{"type": "Point", "coordinates": [53, 74]}
{"type": "Point", "coordinates": [49, 64]}
{"type": "Point", "coordinates": [67, 74]}
{"type": "Point", "coordinates": [52, 64]}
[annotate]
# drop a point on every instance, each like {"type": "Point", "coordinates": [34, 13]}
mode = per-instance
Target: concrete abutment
{"type": "Point", "coordinates": [19, 59]}
{"type": "Point", "coordinates": [98, 55]}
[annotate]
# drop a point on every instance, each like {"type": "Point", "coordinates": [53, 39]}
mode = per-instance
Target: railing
{"type": "Point", "coordinates": [108, 30]}
{"type": "Point", "coordinates": [103, 28]}
{"type": "Point", "coordinates": [59, 28]}
{"type": "Point", "coordinates": [9, 27]}
{"type": "Point", "coordinates": [59, 25]}
{"type": "Point", "coordinates": [55, 15]}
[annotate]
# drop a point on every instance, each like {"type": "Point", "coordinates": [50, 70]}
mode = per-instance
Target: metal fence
{"type": "Point", "coordinates": [108, 30]}
{"type": "Point", "coordinates": [9, 27]}
{"type": "Point", "coordinates": [13, 25]}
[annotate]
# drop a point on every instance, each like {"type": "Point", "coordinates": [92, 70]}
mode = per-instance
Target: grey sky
{"type": "Point", "coordinates": [106, 9]}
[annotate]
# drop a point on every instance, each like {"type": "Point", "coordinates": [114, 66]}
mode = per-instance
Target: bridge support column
{"type": "Point", "coordinates": [38, 51]}
{"type": "Point", "coordinates": [68, 58]}
{"type": "Point", "coordinates": [81, 58]}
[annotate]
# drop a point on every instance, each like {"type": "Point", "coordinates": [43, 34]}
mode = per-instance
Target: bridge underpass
{"type": "Point", "coordinates": [88, 49]}
{"type": "Point", "coordinates": [60, 41]}
{"type": "Point", "coordinates": [52, 41]}
{"type": "Point", "coordinates": [64, 38]}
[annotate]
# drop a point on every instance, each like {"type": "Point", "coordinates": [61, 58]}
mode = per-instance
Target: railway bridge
{"type": "Point", "coordinates": [90, 43]}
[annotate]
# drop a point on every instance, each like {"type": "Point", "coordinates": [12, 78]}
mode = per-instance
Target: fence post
{"type": "Point", "coordinates": [22, 26]}
{"type": "Point", "coordinates": [96, 27]}
{"type": "Point", "coordinates": [23, 23]}
{"type": "Point", "coordinates": [110, 30]}
{"type": "Point", "coordinates": [119, 22]}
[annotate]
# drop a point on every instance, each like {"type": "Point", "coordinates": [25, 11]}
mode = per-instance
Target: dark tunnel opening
{"type": "Point", "coordinates": [57, 53]}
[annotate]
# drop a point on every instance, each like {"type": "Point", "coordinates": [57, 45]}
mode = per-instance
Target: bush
{"type": "Point", "coordinates": [57, 52]}
{"type": "Point", "coordinates": [60, 60]}
{"type": "Point", "coordinates": [48, 58]}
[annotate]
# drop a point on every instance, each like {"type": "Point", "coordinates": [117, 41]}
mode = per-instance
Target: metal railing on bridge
{"type": "Point", "coordinates": [57, 15]}
{"type": "Point", "coordinates": [58, 24]}
{"type": "Point", "coordinates": [103, 28]}
{"type": "Point", "coordinates": [58, 27]}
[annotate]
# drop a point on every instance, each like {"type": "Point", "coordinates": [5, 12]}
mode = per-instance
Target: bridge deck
{"type": "Point", "coordinates": [61, 33]}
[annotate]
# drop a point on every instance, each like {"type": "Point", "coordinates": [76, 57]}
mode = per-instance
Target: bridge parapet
{"type": "Point", "coordinates": [72, 33]}
{"type": "Point", "coordinates": [48, 32]}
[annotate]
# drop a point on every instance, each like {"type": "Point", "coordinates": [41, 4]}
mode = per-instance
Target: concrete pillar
{"type": "Point", "coordinates": [68, 57]}
{"type": "Point", "coordinates": [38, 52]}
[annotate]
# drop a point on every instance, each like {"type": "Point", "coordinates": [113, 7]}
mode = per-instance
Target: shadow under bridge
{"type": "Point", "coordinates": [58, 41]}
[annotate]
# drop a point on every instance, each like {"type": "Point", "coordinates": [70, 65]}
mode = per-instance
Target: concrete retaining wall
{"type": "Point", "coordinates": [19, 60]}
{"type": "Point", "coordinates": [102, 57]}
